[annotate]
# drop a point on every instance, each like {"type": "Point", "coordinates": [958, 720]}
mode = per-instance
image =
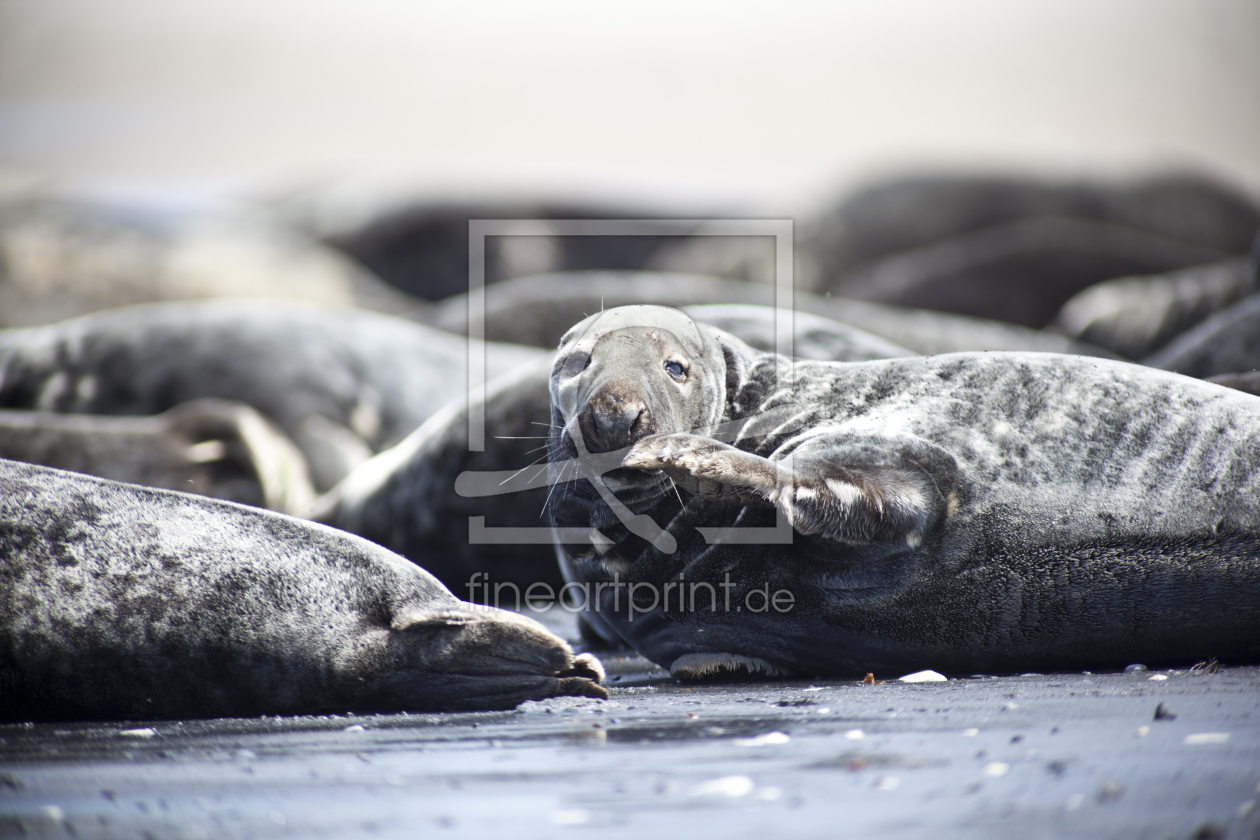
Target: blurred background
{"type": "Point", "coordinates": [1078, 176]}
{"type": "Point", "coordinates": [694, 103]}
{"type": "Point", "coordinates": [977, 157]}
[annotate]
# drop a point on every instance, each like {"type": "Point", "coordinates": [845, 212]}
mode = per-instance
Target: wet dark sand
{"type": "Point", "coordinates": [1032, 756]}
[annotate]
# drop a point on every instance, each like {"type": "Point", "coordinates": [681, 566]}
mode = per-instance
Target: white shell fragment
{"type": "Point", "coordinates": [732, 786]}
{"type": "Point", "coordinates": [923, 676]}
{"type": "Point", "coordinates": [139, 733]}
{"type": "Point", "coordinates": [1205, 738]}
{"type": "Point", "coordinates": [763, 740]}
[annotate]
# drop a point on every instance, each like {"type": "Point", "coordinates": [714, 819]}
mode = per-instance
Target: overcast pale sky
{"type": "Point", "coordinates": [729, 100]}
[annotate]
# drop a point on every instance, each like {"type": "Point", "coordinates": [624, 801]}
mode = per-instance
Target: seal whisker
{"type": "Point", "coordinates": [521, 470]}
{"type": "Point", "coordinates": [676, 493]}
{"type": "Point", "coordinates": [563, 469]}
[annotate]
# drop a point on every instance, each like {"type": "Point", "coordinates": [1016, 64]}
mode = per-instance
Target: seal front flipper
{"type": "Point", "coordinates": [710, 468]}
{"type": "Point", "coordinates": [858, 489]}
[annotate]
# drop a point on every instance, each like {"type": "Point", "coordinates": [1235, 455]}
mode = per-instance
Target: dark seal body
{"type": "Point", "coordinates": [119, 601]}
{"type": "Point", "coordinates": [1228, 342]}
{"type": "Point", "coordinates": [341, 383]}
{"type": "Point", "coordinates": [966, 512]}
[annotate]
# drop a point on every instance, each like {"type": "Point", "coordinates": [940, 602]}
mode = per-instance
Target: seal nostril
{"type": "Point", "coordinates": [610, 422]}
{"type": "Point", "coordinates": [643, 426]}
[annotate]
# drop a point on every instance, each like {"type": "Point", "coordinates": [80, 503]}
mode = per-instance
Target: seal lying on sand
{"type": "Point", "coordinates": [813, 337]}
{"type": "Point", "coordinates": [966, 512]}
{"type": "Point", "coordinates": [341, 383]}
{"type": "Point", "coordinates": [407, 498]}
{"type": "Point", "coordinates": [418, 498]}
{"type": "Point", "coordinates": [216, 448]}
{"type": "Point", "coordinates": [897, 216]}
{"type": "Point", "coordinates": [121, 601]}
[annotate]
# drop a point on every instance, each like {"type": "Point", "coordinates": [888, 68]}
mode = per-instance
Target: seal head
{"type": "Point", "coordinates": [627, 374]}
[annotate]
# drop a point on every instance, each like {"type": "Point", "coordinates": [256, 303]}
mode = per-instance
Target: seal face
{"type": "Point", "coordinates": [121, 601]}
{"type": "Point", "coordinates": [727, 510]}
{"type": "Point", "coordinates": [621, 376]}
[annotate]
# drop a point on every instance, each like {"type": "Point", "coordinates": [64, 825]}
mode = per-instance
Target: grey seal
{"type": "Point", "coordinates": [1228, 342]}
{"type": "Point", "coordinates": [1016, 248]}
{"type": "Point", "coordinates": [987, 244]}
{"type": "Point", "coordinates": [725, 510]}
{"type": "Point", "coordinates": [62, 259]}
{"type": "Point", "coordinates": [1021, 272]}
{"type": "Point", "coordinates": [903, 213]}
{"type": "Point", "coordinates": [406, 498]}
{"type": "Point", "coordinates": [216, 448]}
{"type": "Point", "coordinates": [813, 336]}
{"type": "Point", "coordinates": [341, 383]}
{"type": "Point", "coordinates": [419, 244]}
{"type": "Point", "coordinates": [418, 497]}
{"type": "Point", "coordinates": [1136, 316]}
{"type": "Point", "coordinates": [122, 601]}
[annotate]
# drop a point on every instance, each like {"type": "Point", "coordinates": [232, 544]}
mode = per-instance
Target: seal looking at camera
{"type": "Point", "coordinates": [965, 512]}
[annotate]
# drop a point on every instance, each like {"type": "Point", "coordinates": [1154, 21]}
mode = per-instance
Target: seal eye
{"type": "Point", "coordinates": [578, 361]}
{"type": "Point", "coordinates": [676, 370]}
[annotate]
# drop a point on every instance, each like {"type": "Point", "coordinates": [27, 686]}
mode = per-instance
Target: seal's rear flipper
{"type": "Point", "coordinates": [472, 659]}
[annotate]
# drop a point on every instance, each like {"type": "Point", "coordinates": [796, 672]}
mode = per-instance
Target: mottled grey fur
{"type": "Point", "coordinates": [408, 498]}
{"type": "Point", "coordinates": [118, 601]}
{"type": "Point", "coordinates": [964, 512]}
{"type": "Point", "coordinates": [341, 383]}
